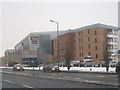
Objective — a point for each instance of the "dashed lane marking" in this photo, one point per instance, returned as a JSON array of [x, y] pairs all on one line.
[[27, 86], [14, 83], [8, 81]]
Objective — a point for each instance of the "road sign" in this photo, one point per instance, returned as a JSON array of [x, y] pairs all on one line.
[[33, 61]]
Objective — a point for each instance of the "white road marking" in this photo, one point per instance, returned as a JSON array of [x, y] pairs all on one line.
[[8, 81], [27, 86], [14, 82]]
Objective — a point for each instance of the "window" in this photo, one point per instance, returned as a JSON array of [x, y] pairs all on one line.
[[79, 47], [96, 56], [74, 34], [88, 31], [88, 38], [80, 54], [81, 32], [95, 32], [95, 39], [96, 48], [79, 40], [89, 46], [82, 47], [109, 31], [34, 42], [82, 40], [89, 53], [62, 49]]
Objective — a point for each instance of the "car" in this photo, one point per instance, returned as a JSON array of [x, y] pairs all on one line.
[[88, 64], [75, 63], [50, 68], [87, 59], [118, 67], [113, 63], [102, 63], [18, 67]]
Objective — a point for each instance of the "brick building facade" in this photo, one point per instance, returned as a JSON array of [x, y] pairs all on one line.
[[97, 41]]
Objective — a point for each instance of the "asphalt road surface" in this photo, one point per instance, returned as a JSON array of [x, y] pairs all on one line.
[[25, 79], [18, 81]]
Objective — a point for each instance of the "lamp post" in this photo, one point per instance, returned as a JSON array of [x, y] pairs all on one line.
[[57, 40], [22, 52]]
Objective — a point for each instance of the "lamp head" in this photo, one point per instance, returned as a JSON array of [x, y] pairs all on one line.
[[51, 20]]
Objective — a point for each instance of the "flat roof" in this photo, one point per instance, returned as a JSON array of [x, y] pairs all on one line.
[[94, 26]]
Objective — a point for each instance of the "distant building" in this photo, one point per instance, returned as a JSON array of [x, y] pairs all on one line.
[[12, 56], [29, 47], [44, 48], [36, 46], [97, 41], [1, 61]]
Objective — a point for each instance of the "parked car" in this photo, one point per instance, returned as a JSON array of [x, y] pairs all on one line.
[[102, 63], [88, 64], [113, 64], [75, 63], [51, 68], [118, 67], [18, 67], [88, 59]]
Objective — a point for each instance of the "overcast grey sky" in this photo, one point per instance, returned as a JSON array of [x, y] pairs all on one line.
[[20, 18]]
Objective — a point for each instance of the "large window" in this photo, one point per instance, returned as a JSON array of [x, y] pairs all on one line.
[[109, 31]]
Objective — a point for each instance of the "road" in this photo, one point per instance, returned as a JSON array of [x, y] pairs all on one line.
[[56, 80]]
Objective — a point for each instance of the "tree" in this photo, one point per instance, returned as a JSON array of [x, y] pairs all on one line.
[[67, 55], [106, 51]]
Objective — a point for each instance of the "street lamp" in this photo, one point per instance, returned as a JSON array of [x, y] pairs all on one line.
[[57, 39]]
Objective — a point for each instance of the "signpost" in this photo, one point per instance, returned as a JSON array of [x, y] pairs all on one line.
[[33, 62]]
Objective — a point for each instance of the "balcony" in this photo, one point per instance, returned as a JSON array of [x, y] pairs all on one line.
[[112, 43], [110, 57], [112, 50], [112, 36]]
